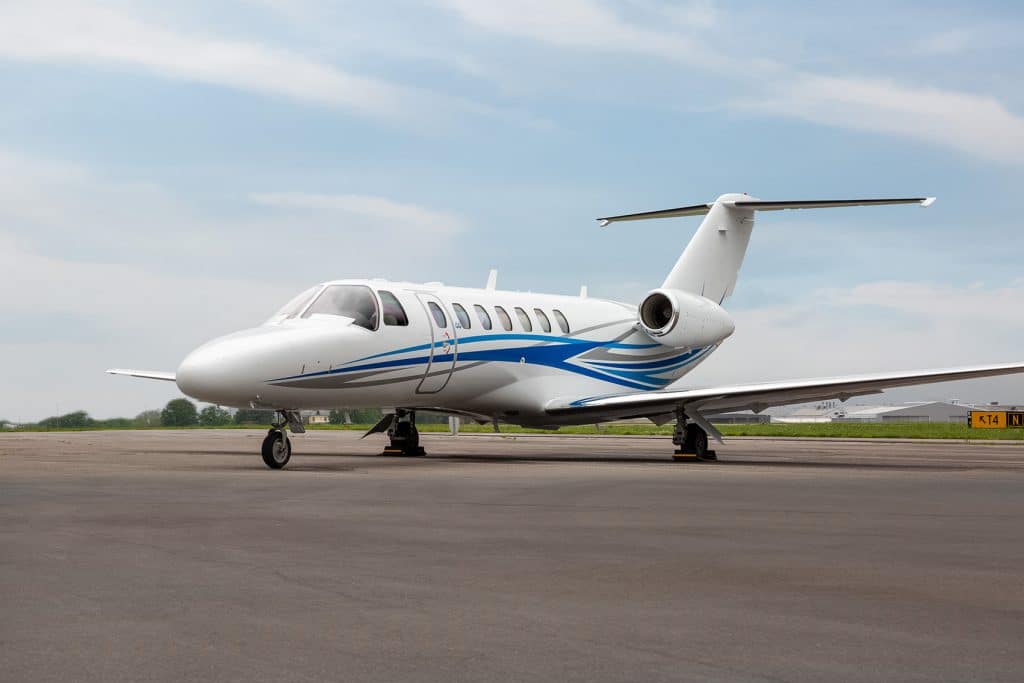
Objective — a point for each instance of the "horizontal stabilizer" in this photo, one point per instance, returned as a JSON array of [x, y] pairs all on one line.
[[145, 374], [762, 205]]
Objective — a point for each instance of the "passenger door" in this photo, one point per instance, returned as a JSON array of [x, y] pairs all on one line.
[[444, 345]]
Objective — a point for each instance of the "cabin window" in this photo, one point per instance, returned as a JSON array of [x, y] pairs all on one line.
[[394, 313], [542, 318], [438, 314], [506, 321], [483, 315], [562, 322], [349, 301], [524, 319], [463, 317]]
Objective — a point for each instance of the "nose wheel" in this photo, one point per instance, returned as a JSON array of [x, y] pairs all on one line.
[[277, 449]]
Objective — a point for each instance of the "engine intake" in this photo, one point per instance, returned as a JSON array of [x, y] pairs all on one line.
[[683, 320]]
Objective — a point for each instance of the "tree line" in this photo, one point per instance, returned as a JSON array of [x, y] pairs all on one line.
[[181, 412]]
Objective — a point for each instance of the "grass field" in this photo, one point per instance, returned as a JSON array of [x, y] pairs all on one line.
[[919, 430]]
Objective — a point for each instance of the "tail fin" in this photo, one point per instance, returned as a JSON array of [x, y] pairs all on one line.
[[711, 261]]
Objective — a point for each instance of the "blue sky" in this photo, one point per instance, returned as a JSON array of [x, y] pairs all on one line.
[[172, 172]]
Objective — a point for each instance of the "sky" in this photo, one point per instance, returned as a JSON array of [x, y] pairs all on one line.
[[170, 172]]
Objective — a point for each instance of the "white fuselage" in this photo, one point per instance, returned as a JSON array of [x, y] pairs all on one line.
[[304, 360]]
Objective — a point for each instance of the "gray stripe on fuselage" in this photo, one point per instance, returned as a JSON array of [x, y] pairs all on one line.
[[352, 381]]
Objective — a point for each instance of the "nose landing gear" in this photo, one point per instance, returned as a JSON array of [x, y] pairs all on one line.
[[277, 447]]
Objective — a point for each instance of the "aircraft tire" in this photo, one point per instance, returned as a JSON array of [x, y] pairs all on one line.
[[700, 449], [277, 449]]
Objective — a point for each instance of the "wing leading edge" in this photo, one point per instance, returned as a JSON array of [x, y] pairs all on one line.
[[759, 396]]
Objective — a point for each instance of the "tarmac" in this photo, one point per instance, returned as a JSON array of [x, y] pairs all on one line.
[[176, 555]]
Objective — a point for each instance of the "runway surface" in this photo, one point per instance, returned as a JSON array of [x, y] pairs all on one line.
[[175, 555]]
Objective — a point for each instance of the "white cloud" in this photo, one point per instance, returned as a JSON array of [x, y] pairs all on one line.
[[69, 211], [975, 124], [951, 42], [877, 326], [391, 215], [87, 317], [587, 24], [100, 272], [84, 32]]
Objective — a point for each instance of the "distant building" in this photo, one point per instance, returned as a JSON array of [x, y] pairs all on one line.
[[828, 411], [935, 411], [742, 417], [317, 419]]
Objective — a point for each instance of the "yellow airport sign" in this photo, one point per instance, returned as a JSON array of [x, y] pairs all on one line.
[[996, 419]]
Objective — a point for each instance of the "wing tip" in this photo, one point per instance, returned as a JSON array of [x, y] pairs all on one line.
[[144, 374], [928, 201]]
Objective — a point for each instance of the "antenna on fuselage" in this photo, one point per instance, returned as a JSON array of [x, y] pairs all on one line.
[[492, 280], [583, 291]]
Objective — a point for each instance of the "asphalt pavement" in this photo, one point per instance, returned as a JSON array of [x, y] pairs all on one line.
[[176, 555]]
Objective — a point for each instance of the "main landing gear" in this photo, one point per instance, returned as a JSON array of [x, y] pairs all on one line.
[[403, 435], [691, 441], [277, 447]]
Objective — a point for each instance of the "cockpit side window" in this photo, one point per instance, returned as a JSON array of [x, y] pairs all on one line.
[[394, 312], [351, 301]]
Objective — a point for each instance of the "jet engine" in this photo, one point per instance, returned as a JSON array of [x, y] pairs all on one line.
[[680, 319]]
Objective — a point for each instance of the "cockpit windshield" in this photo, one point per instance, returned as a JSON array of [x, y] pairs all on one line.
[[295, 306], [351, 301]]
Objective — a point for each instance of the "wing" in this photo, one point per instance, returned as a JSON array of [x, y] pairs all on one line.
[[757, 397], [145, 374]]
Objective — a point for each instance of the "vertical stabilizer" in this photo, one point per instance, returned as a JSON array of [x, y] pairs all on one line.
[[711, 261]]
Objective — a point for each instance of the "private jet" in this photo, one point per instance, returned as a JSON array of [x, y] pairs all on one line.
[[535, 360]]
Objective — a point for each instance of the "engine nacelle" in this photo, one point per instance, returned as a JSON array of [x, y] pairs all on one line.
[[683, 320]]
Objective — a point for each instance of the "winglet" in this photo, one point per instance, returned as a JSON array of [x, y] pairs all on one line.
[[492, 279], [928, 201]]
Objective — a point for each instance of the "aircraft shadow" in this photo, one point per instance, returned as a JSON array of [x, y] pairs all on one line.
[[320, 461]]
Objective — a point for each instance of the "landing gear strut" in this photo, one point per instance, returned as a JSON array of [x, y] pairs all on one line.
[[690, 440], [277, 447], [403, 435]]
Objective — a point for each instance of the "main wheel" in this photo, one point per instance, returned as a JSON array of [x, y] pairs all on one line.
[[412, 441], [277, 449], [700, 443]]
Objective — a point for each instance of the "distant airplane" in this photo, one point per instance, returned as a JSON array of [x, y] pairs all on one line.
[[537, 360]]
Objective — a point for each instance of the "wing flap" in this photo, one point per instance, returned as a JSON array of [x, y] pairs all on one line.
[[759, 396], [145, 374]]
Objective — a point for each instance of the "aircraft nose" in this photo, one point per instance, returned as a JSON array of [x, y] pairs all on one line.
[[216, 373]]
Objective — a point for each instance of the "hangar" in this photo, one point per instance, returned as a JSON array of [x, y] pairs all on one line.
[[935, 411]]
